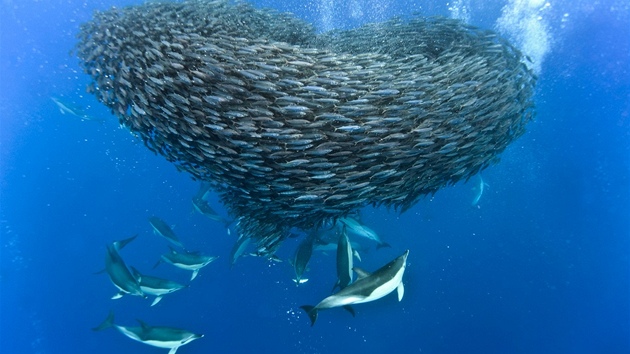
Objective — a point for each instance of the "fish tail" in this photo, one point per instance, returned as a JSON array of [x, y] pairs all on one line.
[[109, 322], [311, 311]]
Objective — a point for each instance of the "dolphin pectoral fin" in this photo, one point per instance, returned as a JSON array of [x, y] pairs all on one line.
[[101, 271], [401, 291], [356, 255], [109, 322], [118, 295], [157, 299], [349, 309], [311, 311], [173, 350], [194, 274], [361, 273]]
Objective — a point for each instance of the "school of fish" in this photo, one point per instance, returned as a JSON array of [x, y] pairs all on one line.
[[295, 129]]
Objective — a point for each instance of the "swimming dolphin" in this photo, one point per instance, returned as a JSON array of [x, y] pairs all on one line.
[[157, 287], [480, 188], [188, 260], [368, 287], [161, 228], [302, 257], [202, 206], [118, 271], [161, 337], [344, 261], [329, 247], [67, 108], [239, 248], [357, 228]]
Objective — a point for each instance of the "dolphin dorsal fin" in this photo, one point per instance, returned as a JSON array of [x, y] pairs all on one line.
[[145, 327], [361, 273]]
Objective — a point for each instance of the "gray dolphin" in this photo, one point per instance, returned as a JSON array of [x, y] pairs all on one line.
[[161, 337], [70, 109], [357, 228], [368, 287], [239, 248], [302, 257], [157, 287], [189, 260], [202, 206], [344, 261], [118, 271], [161, 228]]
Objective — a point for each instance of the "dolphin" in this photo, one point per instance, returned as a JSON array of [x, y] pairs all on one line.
[[200, 203], [357, 228], [329, 247], [480, 188], [344, 261], [67, 108], [204, 208], [302, 257], [118, 271], [161, 228], [368, 287], [161, 337], [157, 287], [239, 248], [188, 260]]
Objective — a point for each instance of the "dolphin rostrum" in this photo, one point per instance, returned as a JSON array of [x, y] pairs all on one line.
[[118, 271], [161, 337], [157, 287], [161, 228], [368, 287]]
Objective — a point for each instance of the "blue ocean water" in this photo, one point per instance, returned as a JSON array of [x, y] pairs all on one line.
[[539, 265]]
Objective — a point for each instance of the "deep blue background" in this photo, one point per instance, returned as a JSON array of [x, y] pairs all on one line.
[[541, 266]]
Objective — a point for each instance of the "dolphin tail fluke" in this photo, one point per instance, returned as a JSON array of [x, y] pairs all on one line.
[[121, 244], [311, 311], [109, 322], [383, 244], [349, 309]]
